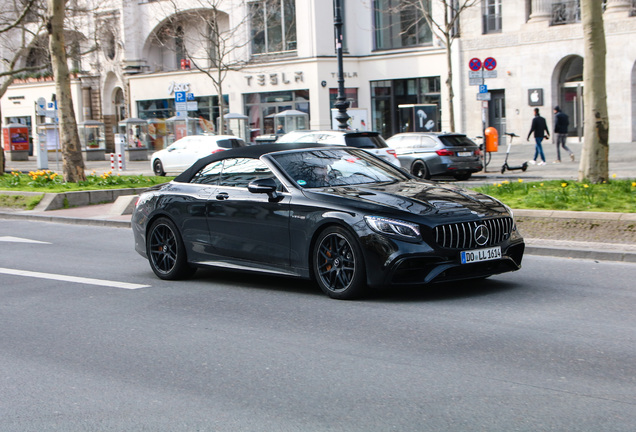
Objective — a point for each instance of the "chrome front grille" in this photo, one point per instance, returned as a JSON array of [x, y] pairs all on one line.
[[462, 235]]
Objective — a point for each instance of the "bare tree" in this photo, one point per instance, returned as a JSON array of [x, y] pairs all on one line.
[[445, 26], [594, 164], [213, 44], [16, 34], [73, 163]]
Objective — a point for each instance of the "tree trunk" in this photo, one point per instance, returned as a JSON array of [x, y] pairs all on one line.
[[595, 155], [73, 164], [2, 163], [449, 85]]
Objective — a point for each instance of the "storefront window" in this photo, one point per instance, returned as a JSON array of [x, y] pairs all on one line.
[[159, 110], [387, 95], [261, 107], [351, 94]]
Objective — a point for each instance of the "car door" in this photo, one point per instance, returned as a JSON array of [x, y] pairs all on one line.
[[195, 149], [173, 155], [247, 228]]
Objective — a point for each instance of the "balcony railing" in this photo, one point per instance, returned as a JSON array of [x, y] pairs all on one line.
[[566, 12]]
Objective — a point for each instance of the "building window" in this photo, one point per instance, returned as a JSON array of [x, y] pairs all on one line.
[[273, 26], [398, 24], [566, 12], [491, 16]]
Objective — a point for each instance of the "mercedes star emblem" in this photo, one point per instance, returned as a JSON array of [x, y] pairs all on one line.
[[481, 235]]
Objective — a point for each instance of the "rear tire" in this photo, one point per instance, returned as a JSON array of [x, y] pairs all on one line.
[[166, 251], [338, 265], [157, 167], [420, 170]]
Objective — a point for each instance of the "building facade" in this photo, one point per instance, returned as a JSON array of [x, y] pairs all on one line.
[[261, 57]]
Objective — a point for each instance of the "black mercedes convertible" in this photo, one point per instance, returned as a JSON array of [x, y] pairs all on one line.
[[337, 215]]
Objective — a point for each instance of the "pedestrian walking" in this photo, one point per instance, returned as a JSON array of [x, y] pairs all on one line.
[[540, 130], [561, 123]]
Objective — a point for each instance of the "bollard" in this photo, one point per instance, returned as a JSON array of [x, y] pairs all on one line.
[[120, 162], [112, 161]]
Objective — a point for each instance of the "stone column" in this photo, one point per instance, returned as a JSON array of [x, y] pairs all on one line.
[[617, 8], [541, 11]]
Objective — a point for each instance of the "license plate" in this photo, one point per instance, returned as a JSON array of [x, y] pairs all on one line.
[[464, 154], [479, 255]]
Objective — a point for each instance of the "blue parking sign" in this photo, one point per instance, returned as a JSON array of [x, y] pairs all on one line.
[[180, 96], [483, 88]]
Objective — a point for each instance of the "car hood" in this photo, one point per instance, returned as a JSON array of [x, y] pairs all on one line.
[[418, 198]]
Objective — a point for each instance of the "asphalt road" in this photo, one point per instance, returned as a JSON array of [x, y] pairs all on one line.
[[550, 347]]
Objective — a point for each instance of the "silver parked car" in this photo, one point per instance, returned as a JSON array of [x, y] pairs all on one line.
[[426, 154], [371, 142]]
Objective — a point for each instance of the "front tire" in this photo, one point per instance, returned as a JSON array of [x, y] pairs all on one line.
[[338, 265], [166, 251], [157, 167]]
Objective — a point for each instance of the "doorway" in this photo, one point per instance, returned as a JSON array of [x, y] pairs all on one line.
[[497, 113], [571, 94]]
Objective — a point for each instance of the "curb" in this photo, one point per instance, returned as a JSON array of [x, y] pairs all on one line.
[[65, 219], [592, 254]]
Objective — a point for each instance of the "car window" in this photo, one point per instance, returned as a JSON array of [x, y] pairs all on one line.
[[428, 142], [224, 143], [405, 142], [457, 141], [325, 168], [209, 174], [179, 144], [365, 141], [239, 172], [237, 143]]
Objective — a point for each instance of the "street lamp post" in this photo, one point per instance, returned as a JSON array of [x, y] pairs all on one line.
[[341, 102]]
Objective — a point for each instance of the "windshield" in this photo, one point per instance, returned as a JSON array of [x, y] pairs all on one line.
[[335, 167]]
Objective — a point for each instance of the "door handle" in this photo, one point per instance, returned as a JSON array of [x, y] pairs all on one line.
[[222, 196]]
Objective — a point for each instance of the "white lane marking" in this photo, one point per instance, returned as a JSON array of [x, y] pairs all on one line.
[[20, 240], [75, 279]]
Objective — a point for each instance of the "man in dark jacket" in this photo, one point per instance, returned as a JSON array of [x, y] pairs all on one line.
[[540, 129], [561, 123]]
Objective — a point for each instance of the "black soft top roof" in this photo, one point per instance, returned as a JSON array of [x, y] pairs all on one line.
[[253, 152]]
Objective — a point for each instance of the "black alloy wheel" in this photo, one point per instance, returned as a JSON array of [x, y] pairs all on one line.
[[338, 265], [157, 167], [166, 252], [420, 170]]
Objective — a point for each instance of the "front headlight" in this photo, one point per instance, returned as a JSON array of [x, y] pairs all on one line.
[[393, 227]]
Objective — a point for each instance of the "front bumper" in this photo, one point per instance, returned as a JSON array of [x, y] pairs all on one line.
[[408, 266]]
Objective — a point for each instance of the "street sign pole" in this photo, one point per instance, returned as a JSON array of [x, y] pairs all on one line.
[[484, 112]]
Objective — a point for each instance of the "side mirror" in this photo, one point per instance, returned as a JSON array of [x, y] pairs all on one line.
[[264, 186]]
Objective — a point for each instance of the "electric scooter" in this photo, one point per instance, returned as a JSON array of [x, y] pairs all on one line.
[[505, 166]]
